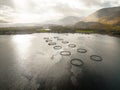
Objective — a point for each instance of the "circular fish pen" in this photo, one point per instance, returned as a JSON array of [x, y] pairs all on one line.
[[96, 58], [65, 42], [48, 40], [56, 37], [77, 62], [72, 45], [57, 47], [80, 50], [59, 39], [65, 53], [51, 43]]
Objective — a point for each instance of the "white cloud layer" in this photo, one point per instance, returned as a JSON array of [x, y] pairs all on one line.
[[21, 11]]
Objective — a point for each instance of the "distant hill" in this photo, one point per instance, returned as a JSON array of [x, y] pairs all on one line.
[[2, 21], [66, 21], [106, 18], [70, 20]]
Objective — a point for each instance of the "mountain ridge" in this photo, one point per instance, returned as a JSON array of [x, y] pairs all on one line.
[[101, 19]]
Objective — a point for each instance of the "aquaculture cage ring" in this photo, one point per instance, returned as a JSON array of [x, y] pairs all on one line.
[[96, 58], [56, 37], [52, 43], [57, 47], [65, 53], [72, 45], [77, 62], [48, 40], [59, 39], [65, 42], [80, 50]]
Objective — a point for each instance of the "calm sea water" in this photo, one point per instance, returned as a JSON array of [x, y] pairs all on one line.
[[53, 62]]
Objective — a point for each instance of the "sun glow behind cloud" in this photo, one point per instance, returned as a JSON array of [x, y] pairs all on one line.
[[21, 5], [35, 11], [31, 11]]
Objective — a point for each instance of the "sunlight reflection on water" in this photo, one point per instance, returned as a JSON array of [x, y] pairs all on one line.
[[22, 44]]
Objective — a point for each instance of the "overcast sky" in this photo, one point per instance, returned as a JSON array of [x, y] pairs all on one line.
[[21, 11]]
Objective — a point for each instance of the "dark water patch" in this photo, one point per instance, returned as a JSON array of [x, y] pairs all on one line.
[[28, 77], [91, 81], [59, 76], [41, 83]]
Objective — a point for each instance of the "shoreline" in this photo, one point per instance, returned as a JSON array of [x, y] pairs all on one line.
[[32, 32]]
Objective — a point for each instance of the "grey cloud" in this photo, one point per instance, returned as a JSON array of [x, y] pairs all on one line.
[[107, 4], [6, 12], [91, 2], [100, 3], [31, 6], [10, 3], [6, 2]]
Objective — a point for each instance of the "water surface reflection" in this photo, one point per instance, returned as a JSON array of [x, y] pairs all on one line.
[[22, 44], [27, 62]]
